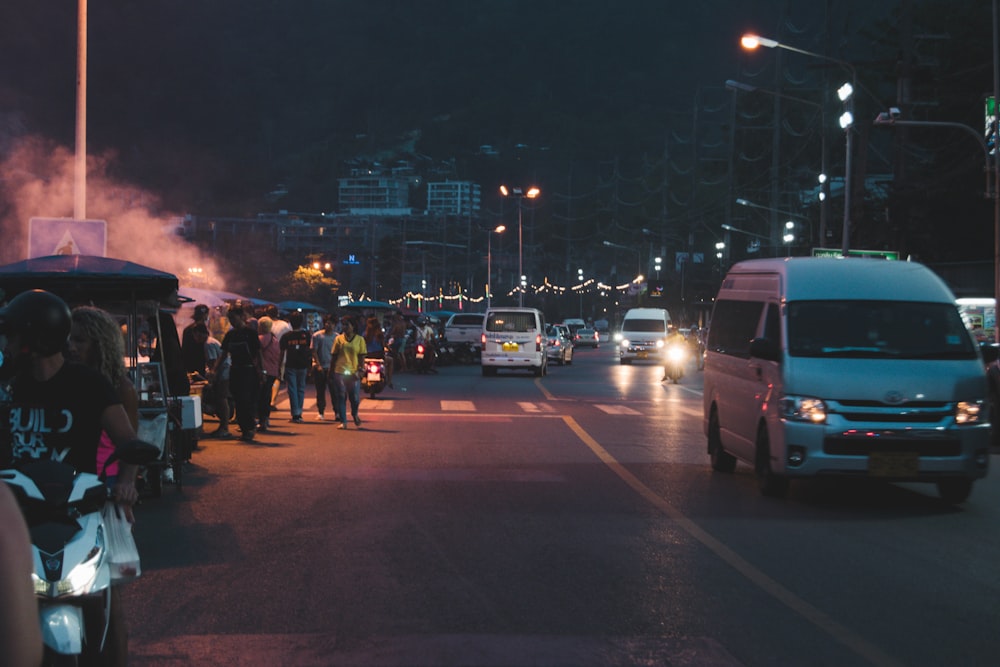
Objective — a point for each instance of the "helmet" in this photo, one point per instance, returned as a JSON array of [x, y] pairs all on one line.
[[40, 318]]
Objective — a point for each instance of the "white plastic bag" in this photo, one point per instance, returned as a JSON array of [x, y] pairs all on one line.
[[153, 430], [123, 555]]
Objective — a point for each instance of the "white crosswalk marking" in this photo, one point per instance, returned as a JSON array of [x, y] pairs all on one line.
[[617, 410], [458, 406], [536, 407]]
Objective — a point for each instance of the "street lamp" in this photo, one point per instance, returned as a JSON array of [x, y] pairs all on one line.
[[750, 42], [747, 88], [750, 204], [520, 195], [499, 229]]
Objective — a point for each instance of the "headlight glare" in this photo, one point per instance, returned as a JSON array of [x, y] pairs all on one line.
[[803, 409], [969, 412]]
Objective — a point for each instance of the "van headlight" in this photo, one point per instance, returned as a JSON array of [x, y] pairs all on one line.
[[803, 409], [622, 341], [659, 344], [969, 412]]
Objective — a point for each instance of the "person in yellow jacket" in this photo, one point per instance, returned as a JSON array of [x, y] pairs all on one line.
[[347, 355]]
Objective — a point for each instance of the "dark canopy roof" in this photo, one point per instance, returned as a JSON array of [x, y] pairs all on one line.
[[87, 278]]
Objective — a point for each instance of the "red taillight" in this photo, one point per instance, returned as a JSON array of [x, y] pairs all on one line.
[[482, 339], [420, 348], [538, 342], [373, 368]]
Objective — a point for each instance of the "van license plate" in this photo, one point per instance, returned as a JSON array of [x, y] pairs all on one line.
[[640, 355], [893, 464]]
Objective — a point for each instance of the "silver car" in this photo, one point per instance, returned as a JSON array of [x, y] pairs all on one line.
[[559, 344]]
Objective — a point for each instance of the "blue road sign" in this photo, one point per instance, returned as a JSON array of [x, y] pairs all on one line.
[[66, 236]]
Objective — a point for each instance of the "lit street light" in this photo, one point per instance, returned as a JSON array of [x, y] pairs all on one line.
[[520, 195], [499, 229], [750, 42]]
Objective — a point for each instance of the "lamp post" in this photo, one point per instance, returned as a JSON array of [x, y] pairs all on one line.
[[751, 42], [747, 88], [520, 194], [499, 229]]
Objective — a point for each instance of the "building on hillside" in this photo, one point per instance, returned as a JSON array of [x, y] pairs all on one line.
[[454, 198]]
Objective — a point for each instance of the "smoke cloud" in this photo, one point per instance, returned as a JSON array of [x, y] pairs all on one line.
[[36, 180]]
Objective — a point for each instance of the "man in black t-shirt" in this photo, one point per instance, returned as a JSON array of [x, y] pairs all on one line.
[[58, 409], [243, 347]]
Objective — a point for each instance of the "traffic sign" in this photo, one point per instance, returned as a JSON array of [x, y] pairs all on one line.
[[66, 236], [870, 254]]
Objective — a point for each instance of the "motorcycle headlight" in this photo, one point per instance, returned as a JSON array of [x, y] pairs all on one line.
[[969, 412], [675, 353], [803, 409], [80, 579]]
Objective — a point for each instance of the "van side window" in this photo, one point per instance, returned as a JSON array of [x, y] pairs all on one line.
[[734, 324], [772, 324]]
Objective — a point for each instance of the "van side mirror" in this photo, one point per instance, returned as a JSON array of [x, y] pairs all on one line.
[[766, 349]]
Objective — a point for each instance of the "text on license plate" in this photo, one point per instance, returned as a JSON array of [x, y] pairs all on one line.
[[893, 464]]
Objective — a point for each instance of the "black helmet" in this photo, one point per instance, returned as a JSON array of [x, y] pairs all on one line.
[[40, 318]]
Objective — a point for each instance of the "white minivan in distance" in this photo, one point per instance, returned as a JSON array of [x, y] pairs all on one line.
[[513, 338], [643, 335], [851, 367]]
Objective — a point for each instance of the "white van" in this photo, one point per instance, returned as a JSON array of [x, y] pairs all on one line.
[[513, 338], [855, 367], [643, 335]]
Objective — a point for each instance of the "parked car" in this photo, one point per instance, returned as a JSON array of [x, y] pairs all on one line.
[[558, 344], [586, 338]]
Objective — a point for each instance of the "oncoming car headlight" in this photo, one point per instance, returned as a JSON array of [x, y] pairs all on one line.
[[660, 344], [969, 412], [622, 341], [803, 409]]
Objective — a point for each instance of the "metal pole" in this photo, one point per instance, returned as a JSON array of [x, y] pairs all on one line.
[[996, 175], [80, 181], [489, 266], [520, 256]]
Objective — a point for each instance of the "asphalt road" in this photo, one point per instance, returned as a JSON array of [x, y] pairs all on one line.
[[566, 520]]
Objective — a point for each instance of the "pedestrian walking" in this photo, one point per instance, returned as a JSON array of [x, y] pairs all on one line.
[[270, 351], [243, 347], [348, 352], [218, 383], [322, 344], [296, 358]]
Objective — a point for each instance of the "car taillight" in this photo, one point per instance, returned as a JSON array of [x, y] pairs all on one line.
[[538, 342], [482, 339]]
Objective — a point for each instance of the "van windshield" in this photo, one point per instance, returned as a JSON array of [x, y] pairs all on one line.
[[636, 324], [519, 322], [877, 329]]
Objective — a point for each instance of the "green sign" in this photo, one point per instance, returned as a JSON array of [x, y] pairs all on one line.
[[871, 254]]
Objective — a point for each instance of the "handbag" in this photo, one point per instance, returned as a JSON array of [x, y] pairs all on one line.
[[123, 555]]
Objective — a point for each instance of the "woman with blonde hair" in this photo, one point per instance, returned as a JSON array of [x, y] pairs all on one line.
[[95, 340]]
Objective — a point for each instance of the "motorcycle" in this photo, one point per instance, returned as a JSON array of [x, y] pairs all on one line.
[[373, 376], [424, 357], [676, 357], [74, 579]]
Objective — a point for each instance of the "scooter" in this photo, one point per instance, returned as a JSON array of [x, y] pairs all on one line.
[[78, 603], [424, 357], [676, 357], [373, 376]]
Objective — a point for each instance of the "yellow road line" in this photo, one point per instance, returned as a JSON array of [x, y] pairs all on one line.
[[820, 619]]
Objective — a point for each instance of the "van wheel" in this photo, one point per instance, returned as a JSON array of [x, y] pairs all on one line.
[[770, 484], [954, 491], [722, 461]]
